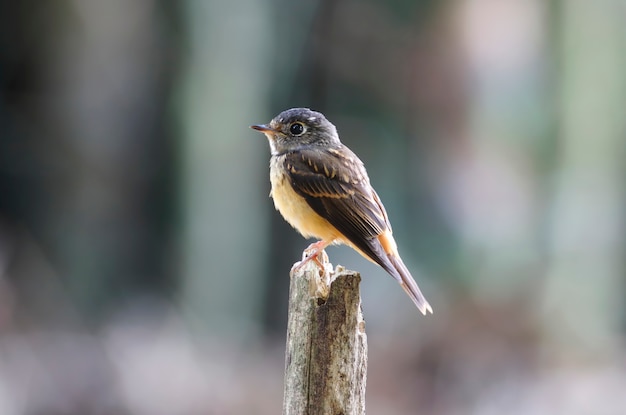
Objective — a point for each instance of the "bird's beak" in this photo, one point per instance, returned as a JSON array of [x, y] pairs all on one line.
[[264, 129]]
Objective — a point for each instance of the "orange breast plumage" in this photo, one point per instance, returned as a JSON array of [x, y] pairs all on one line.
[[294, 208]]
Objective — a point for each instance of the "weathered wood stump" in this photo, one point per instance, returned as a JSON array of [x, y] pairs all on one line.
[[326, 356]]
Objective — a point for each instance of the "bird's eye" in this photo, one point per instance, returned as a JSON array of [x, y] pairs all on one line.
[[296, 128]]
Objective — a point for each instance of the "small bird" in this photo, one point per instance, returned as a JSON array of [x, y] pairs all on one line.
[[322, 189]]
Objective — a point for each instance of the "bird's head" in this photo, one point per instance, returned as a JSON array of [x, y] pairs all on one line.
[[297, 128]]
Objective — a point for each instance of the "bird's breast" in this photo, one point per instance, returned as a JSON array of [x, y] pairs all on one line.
[[294, 208]]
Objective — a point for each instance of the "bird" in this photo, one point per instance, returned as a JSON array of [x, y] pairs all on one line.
[[321, 188]]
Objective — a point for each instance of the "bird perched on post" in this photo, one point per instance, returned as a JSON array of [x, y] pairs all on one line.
[[322, 189]]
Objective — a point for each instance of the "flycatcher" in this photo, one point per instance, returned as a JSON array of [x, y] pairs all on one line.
[[322, 189]]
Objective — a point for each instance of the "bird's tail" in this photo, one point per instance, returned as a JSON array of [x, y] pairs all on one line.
[[408, 284], [384, 252]]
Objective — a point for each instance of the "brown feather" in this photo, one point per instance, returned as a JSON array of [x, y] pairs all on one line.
[[340, 193]]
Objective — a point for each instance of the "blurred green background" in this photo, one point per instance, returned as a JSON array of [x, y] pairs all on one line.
[[144, 271]]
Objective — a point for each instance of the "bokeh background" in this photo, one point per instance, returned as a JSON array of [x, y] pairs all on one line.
[[144, 271]]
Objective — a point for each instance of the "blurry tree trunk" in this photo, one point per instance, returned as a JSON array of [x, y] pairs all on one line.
[[89, 163], [585, 277], [224, 201], [326, 356]]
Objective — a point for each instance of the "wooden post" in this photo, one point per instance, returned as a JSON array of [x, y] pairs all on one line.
[[326, 356]]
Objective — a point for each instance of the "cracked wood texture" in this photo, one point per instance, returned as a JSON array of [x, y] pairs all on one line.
[[326, 356]]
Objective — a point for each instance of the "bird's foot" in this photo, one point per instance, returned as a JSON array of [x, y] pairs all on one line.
[[312, 253], [320, 275]]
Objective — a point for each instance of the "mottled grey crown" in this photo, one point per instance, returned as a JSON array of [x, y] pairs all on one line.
[[305, 115]]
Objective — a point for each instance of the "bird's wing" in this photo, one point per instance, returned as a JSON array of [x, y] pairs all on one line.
[[335, 184]]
